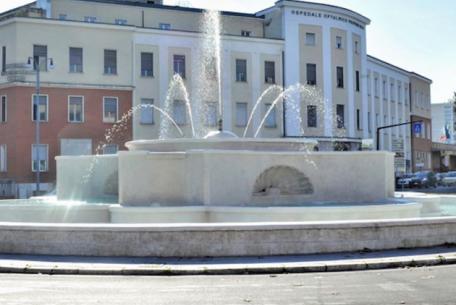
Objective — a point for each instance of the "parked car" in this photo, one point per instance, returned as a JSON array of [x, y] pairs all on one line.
[[449, 179], [421, 179], [404, 181], [439, 177]]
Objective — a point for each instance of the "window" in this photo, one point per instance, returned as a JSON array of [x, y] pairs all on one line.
[[75, 147], [246, 33], [357, 81], [399, 93], [40, 157], [76, 60], [40, 57], [165, 26], [3, 158], [241, 70], [358, 119], [340, 111], [356, 47], [40, 105], [369, 122], [369, 88], [147, 64], [147, 112], [338, 42], [312, 74], [110, 109], [210, 68], [110, 149], [376, 86], [121, 21], [384, 89], [211, 114], [90, 19], [406, 96], [271, 118], [3, 59], [62, 16], [269, 72], [310, 39], [179, 65], [377, 120], [110, 62], [311, 116], [179, 112], [75, 109], [241, 114], [340, 77], [392, 92], [3, 109]]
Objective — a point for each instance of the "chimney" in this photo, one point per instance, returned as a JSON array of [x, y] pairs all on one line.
[[46, 6]]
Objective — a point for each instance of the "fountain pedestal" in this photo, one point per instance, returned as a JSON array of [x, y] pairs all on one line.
[[218, 176]]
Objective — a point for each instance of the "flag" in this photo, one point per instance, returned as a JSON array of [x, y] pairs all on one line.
[[443, 136]]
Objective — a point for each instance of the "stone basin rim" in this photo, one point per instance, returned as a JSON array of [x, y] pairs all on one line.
[[257, 226], [134, 145]]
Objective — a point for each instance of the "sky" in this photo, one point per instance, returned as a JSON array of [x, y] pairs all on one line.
[[417, 35]]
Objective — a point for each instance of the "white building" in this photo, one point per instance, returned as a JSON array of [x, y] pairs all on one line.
[[443, 123]]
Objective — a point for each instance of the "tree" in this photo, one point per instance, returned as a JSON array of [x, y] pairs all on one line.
[[453, 99]]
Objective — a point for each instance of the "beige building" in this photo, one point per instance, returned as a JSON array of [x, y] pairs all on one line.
[[137, 47]]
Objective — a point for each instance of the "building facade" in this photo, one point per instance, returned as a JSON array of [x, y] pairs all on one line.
[[110, 56], [443, 133], [443, 122]]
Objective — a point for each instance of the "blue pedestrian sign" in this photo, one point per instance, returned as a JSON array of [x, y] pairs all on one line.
[[417, 128]]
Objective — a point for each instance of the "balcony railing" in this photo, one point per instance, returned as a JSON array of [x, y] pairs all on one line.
[[25, 11]]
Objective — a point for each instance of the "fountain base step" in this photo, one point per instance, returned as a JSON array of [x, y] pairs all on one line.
[[202, 214]]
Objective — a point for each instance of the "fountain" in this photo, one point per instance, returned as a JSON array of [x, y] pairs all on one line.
[[210, 193]]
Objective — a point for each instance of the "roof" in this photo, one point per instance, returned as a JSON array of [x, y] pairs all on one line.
[[401, 69], [171, 7], [421, 76], [17, 8], [332, 7]]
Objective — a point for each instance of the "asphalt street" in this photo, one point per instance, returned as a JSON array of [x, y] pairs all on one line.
[[430, 286]]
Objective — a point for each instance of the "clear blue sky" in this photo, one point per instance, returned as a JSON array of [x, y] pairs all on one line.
[[417, 35]]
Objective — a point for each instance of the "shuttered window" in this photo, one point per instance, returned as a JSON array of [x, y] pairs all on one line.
[[76, 60], [147, 64], [40, 57], [110, 61]]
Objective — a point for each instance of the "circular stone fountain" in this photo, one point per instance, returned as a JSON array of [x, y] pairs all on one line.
[[221, 195]]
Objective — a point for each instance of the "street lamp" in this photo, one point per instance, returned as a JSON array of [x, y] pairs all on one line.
[[34, 63]]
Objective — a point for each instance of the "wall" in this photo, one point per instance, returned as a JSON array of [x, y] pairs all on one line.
[[388, 105], [19, 131], [179, 18]]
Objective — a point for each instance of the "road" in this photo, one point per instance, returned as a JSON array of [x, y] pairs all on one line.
[[430, 286]]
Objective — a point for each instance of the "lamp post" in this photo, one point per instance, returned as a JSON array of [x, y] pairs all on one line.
[[391, 126], [34, 63]]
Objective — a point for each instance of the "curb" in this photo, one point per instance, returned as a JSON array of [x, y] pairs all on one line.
[[248, 269]]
